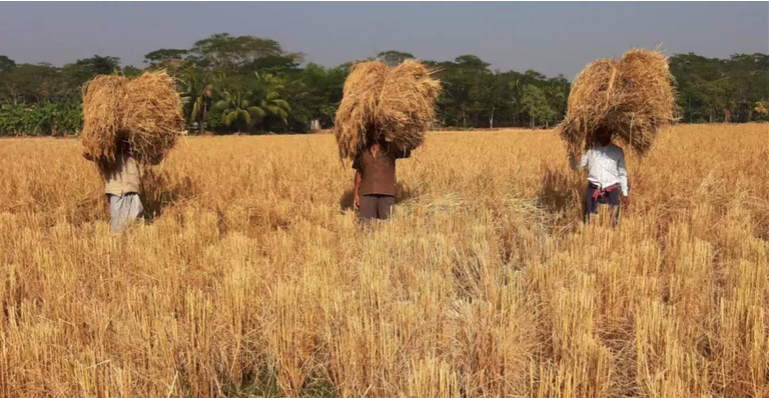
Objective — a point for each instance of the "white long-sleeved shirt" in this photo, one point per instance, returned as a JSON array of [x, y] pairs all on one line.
[[605, 166]]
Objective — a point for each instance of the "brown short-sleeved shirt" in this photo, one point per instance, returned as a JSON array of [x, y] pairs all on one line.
[[378, 173]]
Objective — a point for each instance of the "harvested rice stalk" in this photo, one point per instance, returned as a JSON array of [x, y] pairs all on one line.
[[394, 104], [103, 98], [633, 97], [146, 112], [152, 115]]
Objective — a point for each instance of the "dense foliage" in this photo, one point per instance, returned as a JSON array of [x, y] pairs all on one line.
[[251, 84], [50, 118]]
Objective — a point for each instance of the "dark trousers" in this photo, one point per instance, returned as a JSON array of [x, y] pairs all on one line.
[[375, 207], [610, 198]]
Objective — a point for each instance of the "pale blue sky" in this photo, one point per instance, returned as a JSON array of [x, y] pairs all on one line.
[[552, 38]]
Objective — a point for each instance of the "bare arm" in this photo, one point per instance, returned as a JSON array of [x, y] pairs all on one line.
[[356, 188], [357, 165]]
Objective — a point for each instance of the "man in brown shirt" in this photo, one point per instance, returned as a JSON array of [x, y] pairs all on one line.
[[375, 180]]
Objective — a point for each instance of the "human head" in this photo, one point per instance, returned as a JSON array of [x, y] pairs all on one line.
[[373, 136], [372, 133], [123, 146], [602, 136]]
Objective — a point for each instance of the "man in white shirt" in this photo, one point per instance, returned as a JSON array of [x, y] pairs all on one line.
[[606, 175]]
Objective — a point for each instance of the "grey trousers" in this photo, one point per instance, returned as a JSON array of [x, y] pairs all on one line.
[[123, 211], [375, 207]]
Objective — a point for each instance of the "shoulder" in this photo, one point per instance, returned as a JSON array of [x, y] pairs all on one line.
[[397, 153], [617, 152], [356, 161], [128, 160]]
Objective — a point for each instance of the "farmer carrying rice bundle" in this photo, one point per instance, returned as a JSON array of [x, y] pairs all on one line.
[[383, 117], [626, 101], [127, 124]]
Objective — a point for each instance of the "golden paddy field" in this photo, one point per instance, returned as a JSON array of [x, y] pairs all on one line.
[[252, 278]]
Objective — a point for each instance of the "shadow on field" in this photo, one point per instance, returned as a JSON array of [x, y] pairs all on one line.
[[560, 190], [346, 201], [402, 193], [159, 192]]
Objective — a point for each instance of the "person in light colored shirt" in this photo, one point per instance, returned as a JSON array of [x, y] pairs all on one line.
[[606, 176], [122, 184]]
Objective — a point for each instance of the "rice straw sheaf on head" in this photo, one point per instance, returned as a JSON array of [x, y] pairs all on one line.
[[633, 97], [103, 98], [396, 105], [648, 98], [359, 103], [153, 115], [407, 104], [589, 103], [145, 112]]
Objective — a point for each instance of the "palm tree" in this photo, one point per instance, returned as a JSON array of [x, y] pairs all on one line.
[[197, 94], [245, 109], [237, 109], [270, 89]]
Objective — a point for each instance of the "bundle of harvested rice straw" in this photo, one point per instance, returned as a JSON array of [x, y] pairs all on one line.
[[632, 97], [396, 105], [145, 112]]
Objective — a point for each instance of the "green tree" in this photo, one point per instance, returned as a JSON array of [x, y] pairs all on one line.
[[535, 103], [268, 95], [271, 64], [27, 83], [254, 106], [76, 74], [557, 92], [461, 102], [748, 76], [98, 65], [710, 87], [393, 57], [471, 62], [6, 63], [322, 89], [164, 56], [237, 111], [197, 91], [131, 71], [229, 53]]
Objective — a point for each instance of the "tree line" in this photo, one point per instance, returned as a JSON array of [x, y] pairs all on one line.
[[251, 84]]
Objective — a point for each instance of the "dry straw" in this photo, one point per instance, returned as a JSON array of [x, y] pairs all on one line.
[[633, 97], [102, 100], [153, 115], [146, 112], [466, 292], [394, 104]]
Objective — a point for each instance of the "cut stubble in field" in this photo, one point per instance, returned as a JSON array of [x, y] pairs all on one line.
[[251, 275]]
